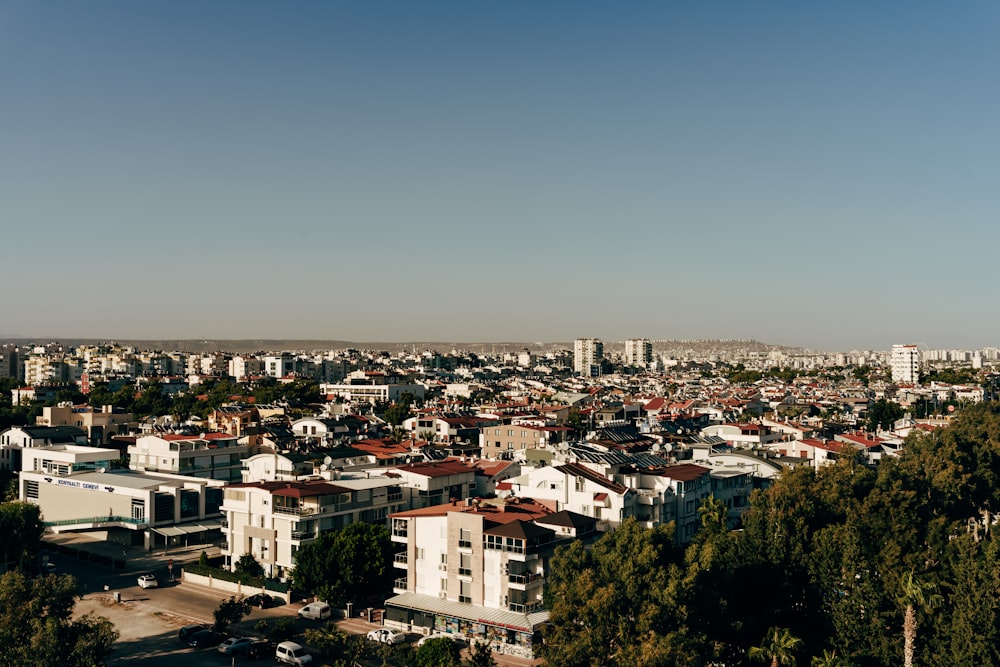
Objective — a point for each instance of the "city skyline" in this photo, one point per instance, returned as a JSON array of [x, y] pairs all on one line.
[[819, 177]]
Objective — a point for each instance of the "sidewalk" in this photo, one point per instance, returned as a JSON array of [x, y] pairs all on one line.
[[136, 558]]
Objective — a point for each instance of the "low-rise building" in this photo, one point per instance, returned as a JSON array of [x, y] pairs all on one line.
[[208, 455], [271, 519]]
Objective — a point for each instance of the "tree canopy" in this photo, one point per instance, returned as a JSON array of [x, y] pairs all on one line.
[[37, 628], [346, 565], [826, 557]]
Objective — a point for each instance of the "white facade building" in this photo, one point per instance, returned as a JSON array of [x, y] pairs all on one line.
[[477, 569], [905, 364], [638, 352], [587, 356]]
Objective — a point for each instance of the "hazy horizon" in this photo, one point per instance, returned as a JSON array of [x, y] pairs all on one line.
[[808, 175]]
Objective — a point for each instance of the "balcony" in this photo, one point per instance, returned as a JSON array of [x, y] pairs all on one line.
[[294, 511], [399, 559], [299, 535], [526, 579], [399, 586], [525, 608]]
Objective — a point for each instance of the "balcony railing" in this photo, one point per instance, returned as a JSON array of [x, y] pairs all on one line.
[[98, 519], [399, 557], [295, 511], [526, 578], [525, 608], [399, 585], [302, 534]]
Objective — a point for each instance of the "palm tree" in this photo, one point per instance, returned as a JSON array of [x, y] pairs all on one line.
[[828, 659], [779, 646], [915, 595]]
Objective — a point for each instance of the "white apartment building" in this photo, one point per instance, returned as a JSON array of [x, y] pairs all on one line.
[[209, 455], [638, 352], [587, 356], [477, 569], [242, 368], [577, 488], [16, 439], [904, 361], [271, 519]]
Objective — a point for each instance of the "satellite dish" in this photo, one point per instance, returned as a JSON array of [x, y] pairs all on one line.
[[102, 470], [327, 460], [324, 467]]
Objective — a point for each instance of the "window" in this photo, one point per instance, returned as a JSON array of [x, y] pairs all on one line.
[[510, 445], [465, 538], [465, 566]]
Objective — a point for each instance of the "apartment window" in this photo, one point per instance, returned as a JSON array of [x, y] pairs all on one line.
[[465, 566], [580, 484], [510, 446], [465, 538], [510, 433], [465, 591]]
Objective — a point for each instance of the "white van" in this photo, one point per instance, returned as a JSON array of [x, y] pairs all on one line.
[[291, 653], [316, 611]]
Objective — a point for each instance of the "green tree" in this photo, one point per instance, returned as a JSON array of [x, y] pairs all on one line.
[[778, 647], [277, 629], [479, 655], [397, 413], [248, 567], [346, 565], [37, 627], [230, 611], [21, 531], [438, 652], [883, 413], [611, 605]]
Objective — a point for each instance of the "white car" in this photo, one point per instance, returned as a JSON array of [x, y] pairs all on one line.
[[316, 611], [147, 581], [386, 636], [441, 635], [291, 653]]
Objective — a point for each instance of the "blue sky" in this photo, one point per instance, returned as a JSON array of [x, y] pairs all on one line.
[[815, 174]]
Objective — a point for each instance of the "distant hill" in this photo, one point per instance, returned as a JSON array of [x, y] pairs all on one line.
[[246, 346]]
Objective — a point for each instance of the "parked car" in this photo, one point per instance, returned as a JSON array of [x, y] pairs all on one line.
[[291, 653], [316, 611], [206, 638], [458, 639], [263, 601], [49, 568], [147, 581], [235, 646], [184, 634], [386, 636], [260, 648]]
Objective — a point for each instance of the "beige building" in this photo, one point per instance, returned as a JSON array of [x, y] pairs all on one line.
[[477, 569], [100, 424]]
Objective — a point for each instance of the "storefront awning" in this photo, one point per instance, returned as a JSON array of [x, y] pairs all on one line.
[[497, 617], [188, 528]]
